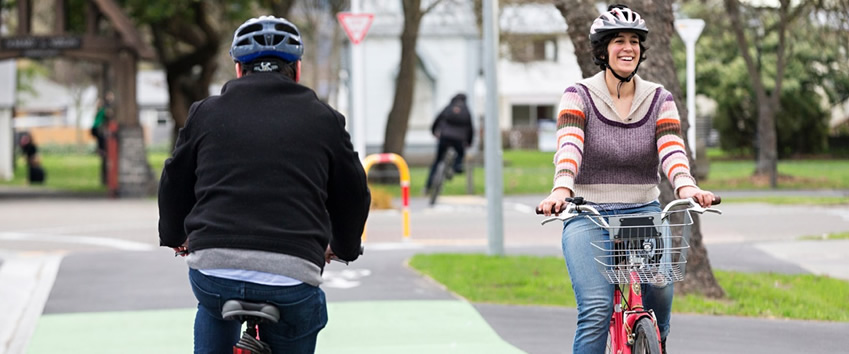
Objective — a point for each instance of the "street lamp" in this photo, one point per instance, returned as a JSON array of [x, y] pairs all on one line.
[[689, 30]]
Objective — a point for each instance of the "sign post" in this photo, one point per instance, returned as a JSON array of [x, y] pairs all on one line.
[[8, 74], [356, 25], [689, 30]]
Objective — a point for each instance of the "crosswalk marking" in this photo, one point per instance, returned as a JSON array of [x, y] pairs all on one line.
[[25, 283]]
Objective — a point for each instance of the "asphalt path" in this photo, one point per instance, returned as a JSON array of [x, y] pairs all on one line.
[[71, 260]]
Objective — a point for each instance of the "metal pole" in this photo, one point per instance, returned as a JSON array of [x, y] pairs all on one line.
[[492, 143], [691, 96], [358, 116], [8, 75], [689, 30]]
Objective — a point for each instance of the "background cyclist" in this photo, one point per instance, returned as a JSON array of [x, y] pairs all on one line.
[[453, 128], [262, 189], [613, 131]]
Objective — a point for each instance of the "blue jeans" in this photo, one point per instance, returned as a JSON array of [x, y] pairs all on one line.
[[303, 313], [593, 293]]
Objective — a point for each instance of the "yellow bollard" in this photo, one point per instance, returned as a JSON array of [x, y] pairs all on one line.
[[405, 185]]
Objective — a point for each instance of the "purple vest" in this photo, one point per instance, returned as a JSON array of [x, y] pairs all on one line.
[[616, 152]]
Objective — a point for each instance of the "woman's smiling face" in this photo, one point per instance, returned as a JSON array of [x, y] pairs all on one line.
[[624, 53]]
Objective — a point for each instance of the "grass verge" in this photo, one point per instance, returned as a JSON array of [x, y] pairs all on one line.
[[832, 236], [529, 280], [525, 172]]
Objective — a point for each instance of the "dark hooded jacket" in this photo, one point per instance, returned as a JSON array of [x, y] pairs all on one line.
[[264, 166], [455, 121]]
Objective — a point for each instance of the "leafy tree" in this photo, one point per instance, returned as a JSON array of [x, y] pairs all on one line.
[[187, 36], [815, 70]]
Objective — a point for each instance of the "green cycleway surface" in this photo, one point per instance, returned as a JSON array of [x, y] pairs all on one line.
[[440, 326]]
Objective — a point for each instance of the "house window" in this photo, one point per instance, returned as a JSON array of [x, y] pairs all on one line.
[[530, 115], [524, 48]]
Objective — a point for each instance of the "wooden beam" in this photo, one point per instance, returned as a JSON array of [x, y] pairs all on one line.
[[125, 27], [61, 17], [24, 17], [91, 15], [125, 89], [90, 47]]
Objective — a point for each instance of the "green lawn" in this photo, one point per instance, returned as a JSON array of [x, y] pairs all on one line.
[[832, 236], [531, 172], [529, 280], [77, 172], [525, 172]]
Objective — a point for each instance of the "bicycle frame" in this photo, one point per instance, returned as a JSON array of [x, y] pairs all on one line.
[[623, 320]]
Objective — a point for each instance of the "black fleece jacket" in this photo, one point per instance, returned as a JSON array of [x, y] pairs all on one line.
[[264, 166]]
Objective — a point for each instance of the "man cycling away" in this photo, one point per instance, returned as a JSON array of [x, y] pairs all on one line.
[[453, 128], [263, 188]]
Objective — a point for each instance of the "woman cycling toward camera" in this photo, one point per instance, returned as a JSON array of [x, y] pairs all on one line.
[[613, 131]]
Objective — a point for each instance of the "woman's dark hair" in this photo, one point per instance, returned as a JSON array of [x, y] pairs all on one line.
[[600, 50]]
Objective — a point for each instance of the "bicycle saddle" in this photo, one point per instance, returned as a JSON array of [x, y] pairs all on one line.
[[242, 310]]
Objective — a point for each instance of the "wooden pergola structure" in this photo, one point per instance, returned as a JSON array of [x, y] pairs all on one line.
[[119, 48]]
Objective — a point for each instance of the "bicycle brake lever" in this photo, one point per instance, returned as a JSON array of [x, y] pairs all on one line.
[[562, 217], [337, 259], [715, 211]]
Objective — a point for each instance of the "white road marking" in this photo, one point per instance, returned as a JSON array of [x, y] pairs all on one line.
[[25, 283], [86, 240], [92, 228], [344, 279]]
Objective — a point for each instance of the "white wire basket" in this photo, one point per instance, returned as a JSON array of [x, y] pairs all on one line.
[[644, 248]]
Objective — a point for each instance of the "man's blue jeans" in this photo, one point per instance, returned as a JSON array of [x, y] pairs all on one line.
[[593, 293], [303, 313]]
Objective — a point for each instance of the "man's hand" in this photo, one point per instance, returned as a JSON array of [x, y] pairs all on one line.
[[328, 254], [183, 250]]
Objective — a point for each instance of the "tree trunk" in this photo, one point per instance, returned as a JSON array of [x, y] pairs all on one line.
[[767, 164], [188, 74], [399, 116], [280, 8], [660, 68], [579, 14]]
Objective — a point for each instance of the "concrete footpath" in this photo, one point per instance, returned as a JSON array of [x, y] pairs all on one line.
[[86, 275]]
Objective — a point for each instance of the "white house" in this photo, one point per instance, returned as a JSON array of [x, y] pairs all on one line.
[[536, 64]]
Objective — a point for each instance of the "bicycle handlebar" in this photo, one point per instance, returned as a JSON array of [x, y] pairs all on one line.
[[578, 205], [337, 259]]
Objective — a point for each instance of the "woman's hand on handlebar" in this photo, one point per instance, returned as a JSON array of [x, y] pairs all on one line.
[[704, 198], [554, 203]]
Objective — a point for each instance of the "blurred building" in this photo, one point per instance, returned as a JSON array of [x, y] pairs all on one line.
[[56, 114], [537, 63]]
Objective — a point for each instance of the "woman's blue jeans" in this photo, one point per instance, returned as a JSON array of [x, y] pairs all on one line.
[[594, 293], [303, 313]]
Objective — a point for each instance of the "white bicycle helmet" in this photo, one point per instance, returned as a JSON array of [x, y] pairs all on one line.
[[267, 36], [618, 18]]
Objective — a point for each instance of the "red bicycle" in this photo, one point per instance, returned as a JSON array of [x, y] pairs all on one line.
[[641, 248]]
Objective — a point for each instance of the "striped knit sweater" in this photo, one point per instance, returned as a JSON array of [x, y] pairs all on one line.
[[607, 159]]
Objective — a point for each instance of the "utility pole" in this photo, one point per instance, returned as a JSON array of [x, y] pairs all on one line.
[[492, 144]]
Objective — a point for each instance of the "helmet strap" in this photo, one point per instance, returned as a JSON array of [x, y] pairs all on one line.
[[622, 80]]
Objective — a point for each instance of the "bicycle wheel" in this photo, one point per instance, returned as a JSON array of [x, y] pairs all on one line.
[[438, 180], [645, 338]]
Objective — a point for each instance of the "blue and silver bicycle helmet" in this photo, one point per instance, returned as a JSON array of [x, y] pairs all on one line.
[[267, 36]]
